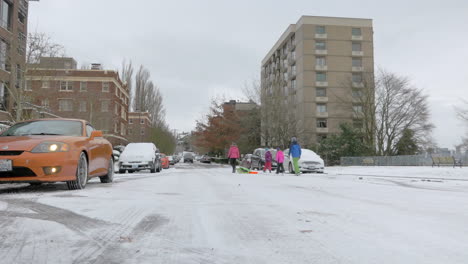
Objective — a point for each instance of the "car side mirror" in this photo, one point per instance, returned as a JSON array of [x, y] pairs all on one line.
[[96, 133]]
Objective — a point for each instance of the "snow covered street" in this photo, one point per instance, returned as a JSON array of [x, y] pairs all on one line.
[[205, 214]]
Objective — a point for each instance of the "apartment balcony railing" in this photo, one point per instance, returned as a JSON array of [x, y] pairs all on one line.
[[321, 67], [321, 52], [357, 53], [356, 37], [321, 36], [321, 84], [357, 69], [321, 99]]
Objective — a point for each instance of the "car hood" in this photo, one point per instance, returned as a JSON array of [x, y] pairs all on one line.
[[27, 143]]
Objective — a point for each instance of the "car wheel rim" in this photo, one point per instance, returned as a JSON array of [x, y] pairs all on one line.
[[110, 171], [82, 171]]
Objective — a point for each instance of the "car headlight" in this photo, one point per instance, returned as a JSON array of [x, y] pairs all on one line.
[[46, 147]]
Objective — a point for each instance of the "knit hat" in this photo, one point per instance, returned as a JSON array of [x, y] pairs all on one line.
[[294, 139]]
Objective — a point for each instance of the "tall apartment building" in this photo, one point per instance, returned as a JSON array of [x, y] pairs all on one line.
[[318, 66], [56, 86], [13, 32]]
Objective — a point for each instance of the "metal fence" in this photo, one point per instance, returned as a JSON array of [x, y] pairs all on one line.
[[411, 160]]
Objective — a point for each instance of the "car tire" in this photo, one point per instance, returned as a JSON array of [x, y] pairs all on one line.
[[81, 174], [110, 173], [121, 171], [35, 183], [290, 168], [158, 169]]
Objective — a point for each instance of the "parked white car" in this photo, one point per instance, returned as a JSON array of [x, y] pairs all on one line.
[[309, 162], [139, 156]]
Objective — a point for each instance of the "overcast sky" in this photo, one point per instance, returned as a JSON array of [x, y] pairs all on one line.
[[199, 49]]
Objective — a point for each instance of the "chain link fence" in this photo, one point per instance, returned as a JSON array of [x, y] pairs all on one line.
[[410, 160]]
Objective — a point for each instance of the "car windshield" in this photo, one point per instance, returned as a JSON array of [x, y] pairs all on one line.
[[45, 128]]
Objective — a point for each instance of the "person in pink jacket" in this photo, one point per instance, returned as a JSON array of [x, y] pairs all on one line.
[[233, 155], [279, 160]]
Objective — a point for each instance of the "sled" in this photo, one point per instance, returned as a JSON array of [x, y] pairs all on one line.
[[245, 171]]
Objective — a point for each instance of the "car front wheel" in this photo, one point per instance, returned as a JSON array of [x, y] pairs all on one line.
[[110, 173], [81, 174], [290, 168]]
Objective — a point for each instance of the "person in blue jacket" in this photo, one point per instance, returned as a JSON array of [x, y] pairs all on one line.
[[295, 152]]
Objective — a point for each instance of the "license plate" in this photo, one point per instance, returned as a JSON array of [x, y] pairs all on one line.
[[134, 166], [6, 165]]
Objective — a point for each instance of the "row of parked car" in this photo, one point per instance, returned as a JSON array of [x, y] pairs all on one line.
[[309, 161], [142, 156]]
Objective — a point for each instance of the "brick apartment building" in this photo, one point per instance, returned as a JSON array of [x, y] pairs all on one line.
[[56, 86], [139, 126], [13, 32], [318, 67]]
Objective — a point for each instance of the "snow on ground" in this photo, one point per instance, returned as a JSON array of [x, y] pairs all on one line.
[[205, 214]]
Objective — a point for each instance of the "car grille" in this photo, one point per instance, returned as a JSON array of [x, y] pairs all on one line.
[[11, 153], [18, 172]]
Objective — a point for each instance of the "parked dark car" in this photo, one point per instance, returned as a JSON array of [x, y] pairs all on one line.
[[246, 161], [205, 159], [258, 159]]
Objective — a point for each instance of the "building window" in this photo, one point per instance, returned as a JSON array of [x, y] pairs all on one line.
[[358, 124], [105, 106], [4, 47], [357, 77], [321, 108], [28, 85], [357, 108], [117, 91], [142, 121], [65, 105], [320, 30], [320, 45], [293, 84], [320, 61], [293, 55], [82, 106], [45, 85], [105, 87], [21, 18], [320, 92], [116, 109], [142, 131], [357, 94], [322, 123], [45, 102], [356, 32], [293, 70], [357, 62], [122, 129], [357, 46], [285, 76], [321, 77], [116, 128], [66, 86], [130, 121], [122, 113], [5, 14], [83, 86]]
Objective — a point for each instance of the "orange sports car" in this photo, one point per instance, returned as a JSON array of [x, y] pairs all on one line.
[[55, 150]]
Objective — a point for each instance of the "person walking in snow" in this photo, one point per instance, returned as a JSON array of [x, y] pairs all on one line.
[[268, 160], [295, 152], [279, 160], [233, 155]]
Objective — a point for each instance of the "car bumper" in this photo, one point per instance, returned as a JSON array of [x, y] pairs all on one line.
[[312, 169], [29, 167], [135, 166]]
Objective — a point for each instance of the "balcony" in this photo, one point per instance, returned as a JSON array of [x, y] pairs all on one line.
[[357, 69], [321, 99], [321, 84], [320, 36], [322, 114], [321, 67], [321, 52], [322, 129], [358, 85], [357, 53], [291, 61], [356, 38]]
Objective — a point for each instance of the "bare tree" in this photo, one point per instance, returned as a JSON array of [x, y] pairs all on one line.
[[41, 45], [126, 74], [397, 106], [252, 91]]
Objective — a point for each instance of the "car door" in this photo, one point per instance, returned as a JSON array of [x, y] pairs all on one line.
[[255, 159], [95, 152]]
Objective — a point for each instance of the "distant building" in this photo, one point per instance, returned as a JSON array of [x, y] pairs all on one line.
[[13, 32], [99, 96], [139, 126], [239, 106], [317, 70]]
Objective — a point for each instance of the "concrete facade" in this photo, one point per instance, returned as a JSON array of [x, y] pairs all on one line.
[[318, 65]]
